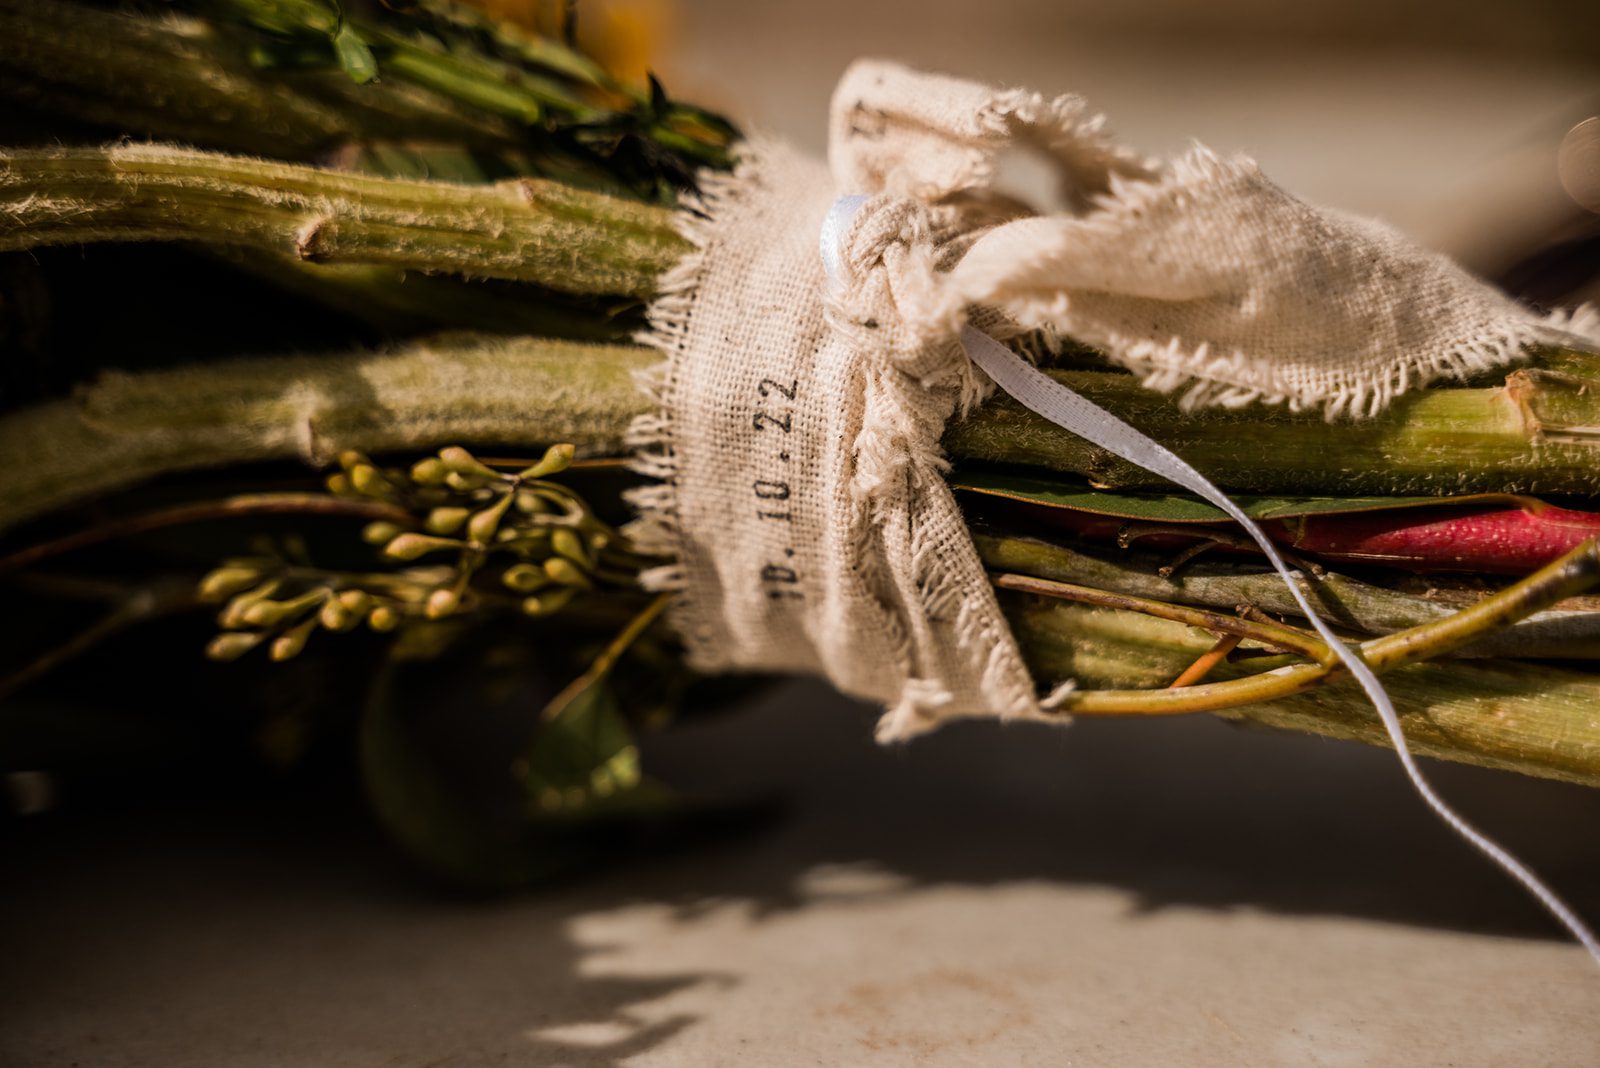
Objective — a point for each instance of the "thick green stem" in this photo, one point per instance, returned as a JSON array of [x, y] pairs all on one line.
[[1535, 720], [459, 389], [529, 230], [1538, 433]]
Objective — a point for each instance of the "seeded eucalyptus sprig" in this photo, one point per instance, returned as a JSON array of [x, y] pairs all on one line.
[[513, 541]]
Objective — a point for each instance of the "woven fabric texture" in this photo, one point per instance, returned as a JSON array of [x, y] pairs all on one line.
[[796, 438]]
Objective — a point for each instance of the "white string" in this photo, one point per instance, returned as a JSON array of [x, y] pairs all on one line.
[[1043, 395]]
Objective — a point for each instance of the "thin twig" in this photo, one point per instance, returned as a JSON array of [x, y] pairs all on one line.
[[1213, 656], [1274, 635], [138, 607], [1574, 573], [245, 504], [608, 656]]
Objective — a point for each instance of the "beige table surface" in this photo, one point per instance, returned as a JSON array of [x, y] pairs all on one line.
[[1152, 893]]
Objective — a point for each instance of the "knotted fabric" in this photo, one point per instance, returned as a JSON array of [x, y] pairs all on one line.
[[796, 440]]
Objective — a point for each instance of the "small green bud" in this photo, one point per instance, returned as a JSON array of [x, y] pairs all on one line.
[[335, 616], [226, 581], [383, 619], [411, 546], [368, 480], [463, 483], [557, 458], [232, 614], [548, 602], [381, 532], [441, 603], [524, 578], [564, 541], [350, 458], [338, 483], [463, 462], [446, 520], [231, 646], [287, 645], [530, 503], [481, 527], [565, 573], [429, 472], [355, 601], [265, 613]]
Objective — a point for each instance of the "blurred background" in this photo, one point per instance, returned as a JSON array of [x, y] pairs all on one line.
[[1112, 893]]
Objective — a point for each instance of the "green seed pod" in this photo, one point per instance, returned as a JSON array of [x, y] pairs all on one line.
[[462, 462], [224, 582], [287, 645], [232, 614], [446, 520], [266, 613], [524, 578], [564, 541], [565, 573], [411, 546], [350, 458], [338, 484], [463, 483], [383, 619], [481, 527], [335, 616], [231, 646], [557, 458], [530, 503], [381, 532], [441, 603], [357, 601], [548, 602], [429, 472], [368, 480]]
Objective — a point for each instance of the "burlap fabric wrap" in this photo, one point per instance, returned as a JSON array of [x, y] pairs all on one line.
[[797, 434]]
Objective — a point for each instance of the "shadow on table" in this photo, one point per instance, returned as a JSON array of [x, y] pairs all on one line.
[[280, 931]]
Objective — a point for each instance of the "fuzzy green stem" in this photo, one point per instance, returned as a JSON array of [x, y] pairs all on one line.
[[484, 391], [1532, 719], [1538, 433], [528, 230]]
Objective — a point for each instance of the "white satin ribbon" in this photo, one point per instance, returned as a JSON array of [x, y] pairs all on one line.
[[1071, 411]]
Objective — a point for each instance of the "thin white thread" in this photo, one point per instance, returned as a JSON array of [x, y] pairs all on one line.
[[1045, 396]]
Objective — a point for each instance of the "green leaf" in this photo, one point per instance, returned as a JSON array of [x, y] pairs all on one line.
[[355, 56], [1076, 495], [583, 756], [419, 807]]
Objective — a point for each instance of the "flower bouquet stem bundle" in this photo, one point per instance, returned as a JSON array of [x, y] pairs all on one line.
[[460, 224]]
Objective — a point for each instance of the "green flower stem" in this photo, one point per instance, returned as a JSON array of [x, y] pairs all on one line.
[[1538, 433], [1532, 719], [528, 230], [1345, 601], [1575, 573], [402, 302], [503, 392]]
